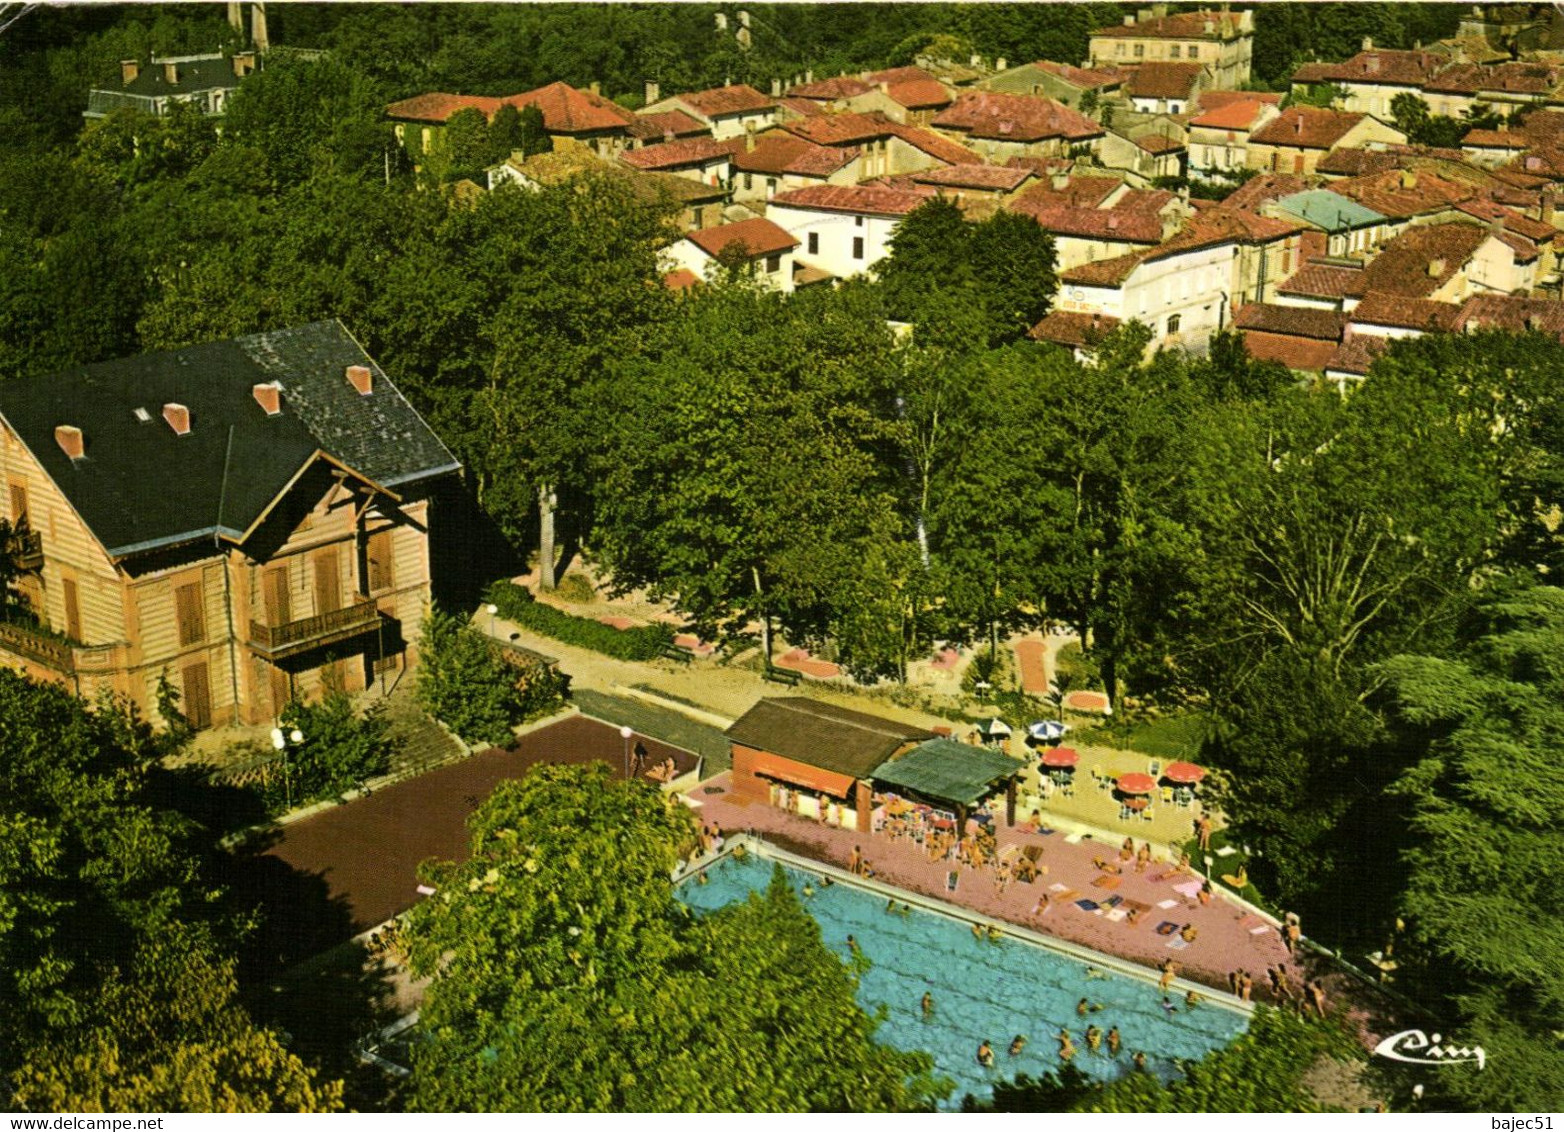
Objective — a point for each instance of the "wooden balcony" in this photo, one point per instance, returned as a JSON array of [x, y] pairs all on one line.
[[37, 646], [278, 641], [26, 549]]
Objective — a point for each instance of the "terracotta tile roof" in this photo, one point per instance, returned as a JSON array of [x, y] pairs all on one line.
[[1494, 139], [843, 129], [1405, 266], [919, 94], [1185, 25], [1073, 328], [802, 106], [1083, 77], [1143, 200], [1264, 187], [1376, 67], [1543, 125], [1520, 78], [759, 237], [1240, 224], [1079, 191], [1534, 230], [567, 110], [1230, 116], [993, 177], [681, 279], [676, 154], [1112, 225], [1015, 117], [900, 75], [1381, 309], [1357, 353], [1306, 127], [1042, 166], [1105, 272], [437, 106], [829, 90], [1523, 250], [1299, 322], [1350, 161], [1310, 355], [1216, 99], [1542, 161], [1514, 313], [675, 122], [1402, 193], [1163, 80], [1323, 281], [1460, 78], [777, 154], [740, 98], [936, 146], [852, 198], [1156, 143]]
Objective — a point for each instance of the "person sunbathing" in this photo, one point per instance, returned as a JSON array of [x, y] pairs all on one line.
[[1188, 933], [1106, 866]]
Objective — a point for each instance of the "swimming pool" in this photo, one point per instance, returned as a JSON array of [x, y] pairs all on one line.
[[982, 990]]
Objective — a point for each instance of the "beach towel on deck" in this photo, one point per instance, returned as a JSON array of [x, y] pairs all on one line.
[[1113, 902], [1177, 944], [1167, 927], [1086, 905], [952, 879], [1106, 881], [1117, 914]]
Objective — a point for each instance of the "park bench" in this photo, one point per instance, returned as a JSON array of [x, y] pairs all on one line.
[[782, 675], [676, 652]]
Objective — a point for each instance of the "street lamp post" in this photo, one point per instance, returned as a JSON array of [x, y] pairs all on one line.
[[280, 741], [626, 733], [492, 609], [1209, 860]]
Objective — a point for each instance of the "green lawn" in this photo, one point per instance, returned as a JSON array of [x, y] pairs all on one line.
[[1174, 737]]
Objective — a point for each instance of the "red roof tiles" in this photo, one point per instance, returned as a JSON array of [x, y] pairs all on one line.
[[1163, 80], [1264, 187], [1216, 99], [1156, 143], [1105, 272], [676, 154], [1072, 328], [1111, 225], [567, 110], [758, 237], [1083, 77], [1376, 67], [919, 94], [669, 122], [1493, 139], [1185, 25], [829, 90], [1306, 127], [1381, 309], [1356, 353], [852, 198], [1403, 193], [437, 106], [1323, 281], [804, 107], [719, 102], [777, 154], [992, 177], [1237, 115], [1513, 313], [1015, 117], [1407, 265], [1299, 322]]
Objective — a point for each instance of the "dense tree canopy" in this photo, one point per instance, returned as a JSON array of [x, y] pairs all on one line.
[[568, 978]]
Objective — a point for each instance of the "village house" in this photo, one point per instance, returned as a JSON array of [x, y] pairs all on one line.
[[1221, 41], [248, 520], [1373, 78], [1001, 126], [918, 93], [1297, 138], [1218, 138], [1058, 81], [696, 204], [777, 162], [1297, 337], [1143, 152], [727, 111], [979, 189], [1165, 88], [1095, 218], [203, 81], [1346, 227], [703, 159], [843, 230], [670, 125], [1076, 331], [760, 245], [886, 148], [1449, 262]]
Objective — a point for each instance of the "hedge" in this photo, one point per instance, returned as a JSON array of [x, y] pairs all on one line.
[[517, 604]]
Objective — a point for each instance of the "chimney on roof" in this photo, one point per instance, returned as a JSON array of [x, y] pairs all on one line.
[[1129, 21], [244, 62], [128, 70], [268, 395], [258, 34], [1159, 10], [1142, 14], [178, 418], [595, 87], [721, 19], [1436, 268], [1545, 206], [1210, 26], [1408, 179], [653, 91], [975, 61], [1496, 226], [171, 74], [1368, 43], [776, 88], [69, 438], [236, 16], [360, 378], [749, 136], [1060, 181], [1534, 322], [1001, 63], [809, 75], [743, 18], [667, 135], [1297, 124], [1371, 64]]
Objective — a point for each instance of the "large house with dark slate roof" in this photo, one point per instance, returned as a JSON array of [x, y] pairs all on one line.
[[204, 81], [248, 518]]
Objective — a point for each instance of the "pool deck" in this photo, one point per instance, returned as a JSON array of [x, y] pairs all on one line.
[[1228, 937]]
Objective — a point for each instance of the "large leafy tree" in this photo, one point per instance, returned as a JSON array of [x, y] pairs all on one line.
[[1482, 902], [568, 978], [119, 977]]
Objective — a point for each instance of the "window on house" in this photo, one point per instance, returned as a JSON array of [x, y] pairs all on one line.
[[1173, 52], [773, 264], [1194, 51], [814, 243], [857, 247], [196, 703], [190, 612], [1140, 50], [378, 553], [1118, 49], [771, 187], [276, 595], [749, 180], [1276, 161], [72, 609], [1173, 321], [18, 505], [858, 221], [1297, 163]]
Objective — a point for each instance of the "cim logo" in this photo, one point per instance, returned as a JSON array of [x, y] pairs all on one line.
[[1418, 1048]]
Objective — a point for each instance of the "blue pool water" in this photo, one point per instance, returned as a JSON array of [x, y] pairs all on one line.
[[982, 990]]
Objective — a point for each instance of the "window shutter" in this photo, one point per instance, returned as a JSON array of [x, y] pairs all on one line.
[[190, 613]]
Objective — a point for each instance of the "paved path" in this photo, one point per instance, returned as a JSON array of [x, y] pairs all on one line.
[[1032, 660], [1226, 939]]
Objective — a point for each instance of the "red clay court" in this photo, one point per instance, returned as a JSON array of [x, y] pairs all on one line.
[[367, 853]]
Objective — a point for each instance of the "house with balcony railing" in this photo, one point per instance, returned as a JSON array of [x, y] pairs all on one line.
[[248, 519]]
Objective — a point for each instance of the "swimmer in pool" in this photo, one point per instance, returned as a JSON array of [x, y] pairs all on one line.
[[1114, 1041], [1017, 1044]]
